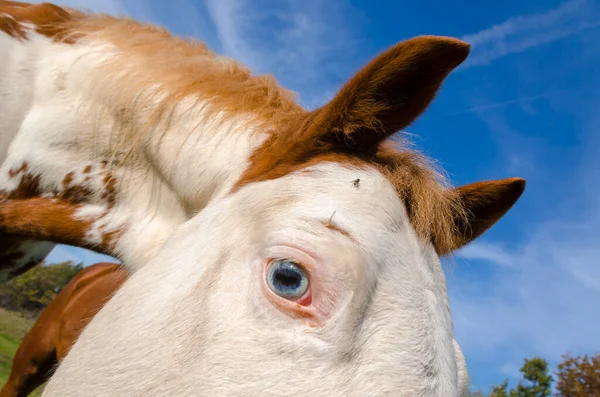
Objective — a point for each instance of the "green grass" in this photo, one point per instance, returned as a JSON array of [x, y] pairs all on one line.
[[13, 327], [14, 324]]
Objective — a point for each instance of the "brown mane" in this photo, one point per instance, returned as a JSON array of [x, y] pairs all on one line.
[[188, 69]]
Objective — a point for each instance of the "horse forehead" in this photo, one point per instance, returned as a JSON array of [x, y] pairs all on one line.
[[358, 202], [341, 187]]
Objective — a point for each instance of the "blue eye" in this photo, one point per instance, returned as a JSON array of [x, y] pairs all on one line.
[[287, 279]]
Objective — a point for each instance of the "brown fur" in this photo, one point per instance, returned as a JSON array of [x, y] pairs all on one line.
[[47, 19], [486, 203], [384, 97], [25, 215], [59, 326], [50, 219]]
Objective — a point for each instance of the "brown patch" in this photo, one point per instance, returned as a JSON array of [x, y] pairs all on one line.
[[28, 187], [13, 172], [68, 179], [26, 215], [87, 169], [48, 219], [109, 193], [383, 98], [74, 193], [110, 239], [47, 19], [216, 83], [11, 27]]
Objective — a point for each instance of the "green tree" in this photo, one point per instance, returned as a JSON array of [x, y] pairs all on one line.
[[33, 290], [501, 390], [535, 382], [578, 376]]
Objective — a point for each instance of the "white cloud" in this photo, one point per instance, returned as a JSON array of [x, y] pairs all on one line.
[[229, 19], [522, 101], [307, 45], [546, 302], [521, 33], [487, 252]]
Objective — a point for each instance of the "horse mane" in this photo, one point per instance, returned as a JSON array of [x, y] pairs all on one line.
[[435, 209], [158, 73]]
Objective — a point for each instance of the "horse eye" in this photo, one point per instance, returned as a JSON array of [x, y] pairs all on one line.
[[287, 279]]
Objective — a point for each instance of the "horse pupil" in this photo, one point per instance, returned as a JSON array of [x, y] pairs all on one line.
[[288, 278]]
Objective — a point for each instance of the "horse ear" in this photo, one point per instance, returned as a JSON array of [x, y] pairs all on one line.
[[390, 92], [485, 203]]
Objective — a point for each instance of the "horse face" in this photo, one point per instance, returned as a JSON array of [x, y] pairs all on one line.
[[318, 273], [313, 283]]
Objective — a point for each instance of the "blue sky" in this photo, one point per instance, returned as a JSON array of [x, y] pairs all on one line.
[[526, 103]]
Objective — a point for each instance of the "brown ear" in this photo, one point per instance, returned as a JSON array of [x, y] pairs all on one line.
[[391, 91], [485, 203]]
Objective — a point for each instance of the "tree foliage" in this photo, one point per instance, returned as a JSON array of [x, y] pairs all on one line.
[[575, 377], [33, 290], [501, 390], [535, 382], [578, 376]]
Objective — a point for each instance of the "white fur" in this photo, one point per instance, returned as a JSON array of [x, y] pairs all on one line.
[[17, 73], [204, 326], [192, 319], [54, 130]]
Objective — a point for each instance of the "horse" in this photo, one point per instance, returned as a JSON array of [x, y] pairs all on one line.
[[59, 326], [272, 250]]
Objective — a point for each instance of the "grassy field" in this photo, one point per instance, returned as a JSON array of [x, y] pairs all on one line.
[[13, 327]]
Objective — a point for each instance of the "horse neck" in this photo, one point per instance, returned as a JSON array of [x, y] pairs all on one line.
[[195, 148], [64, 121], [203, 152]]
